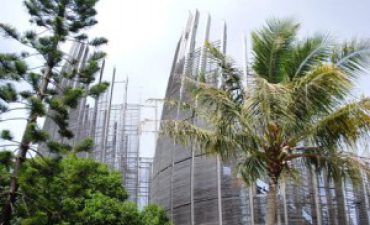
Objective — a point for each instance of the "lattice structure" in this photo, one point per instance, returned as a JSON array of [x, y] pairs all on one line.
[[115, 129], [198, 189], [144, 181]]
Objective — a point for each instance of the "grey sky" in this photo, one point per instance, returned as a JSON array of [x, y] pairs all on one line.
[[143, 33]]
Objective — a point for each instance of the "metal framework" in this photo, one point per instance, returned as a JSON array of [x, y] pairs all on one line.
[[115, 129], [198, 189]]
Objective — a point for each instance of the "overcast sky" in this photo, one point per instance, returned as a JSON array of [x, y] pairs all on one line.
[[143, 33]]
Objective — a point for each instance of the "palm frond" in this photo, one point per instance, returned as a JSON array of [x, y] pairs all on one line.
[[317, 93], [307, 54], [338, 165], [291, 173], [251, 168], [343, 127], [230, 75], [217, 102], [209, 141], [271, 47], [353, 57], [266, 103]]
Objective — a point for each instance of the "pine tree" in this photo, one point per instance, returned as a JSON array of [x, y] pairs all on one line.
[[55, 22]]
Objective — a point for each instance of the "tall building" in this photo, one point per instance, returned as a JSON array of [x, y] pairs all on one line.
[[114, 127], [198, 189]]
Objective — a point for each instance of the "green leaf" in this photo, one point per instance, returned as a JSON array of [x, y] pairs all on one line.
[[9, 31], [6, 135], [6, 158], [81, 37], [26, 94], [98, 56], [30, 35], [98, 41], [35, 134], [271, 46], [21, 67], [64, 132], [71, 96], [8, 93], [60, 148], [36, 106], [98, 89], [87, 74], [86, 145], [34, 80]]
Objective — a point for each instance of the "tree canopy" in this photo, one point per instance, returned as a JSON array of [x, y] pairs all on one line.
[[75, 191], [297, 106], [51, 90]]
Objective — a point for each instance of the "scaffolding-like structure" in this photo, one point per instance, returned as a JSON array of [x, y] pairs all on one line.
[[195, 188], [114, 127]]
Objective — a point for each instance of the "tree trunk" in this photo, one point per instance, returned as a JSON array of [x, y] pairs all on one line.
[[329, 197], [341, 207], [7, 210], [271, 203]]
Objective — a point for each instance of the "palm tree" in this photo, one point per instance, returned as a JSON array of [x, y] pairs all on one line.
[[298, 107]]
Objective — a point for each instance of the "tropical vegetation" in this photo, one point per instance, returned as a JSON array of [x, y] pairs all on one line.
[[53, 23], [62, 189], [73, 190], [297, 106]]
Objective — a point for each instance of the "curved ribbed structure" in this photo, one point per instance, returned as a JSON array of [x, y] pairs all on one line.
[[193, 188], [196, 189]]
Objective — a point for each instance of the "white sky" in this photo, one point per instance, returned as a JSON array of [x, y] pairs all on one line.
[[143, 33]]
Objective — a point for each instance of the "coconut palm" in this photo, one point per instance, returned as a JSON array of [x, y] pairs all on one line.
[[298, 107]]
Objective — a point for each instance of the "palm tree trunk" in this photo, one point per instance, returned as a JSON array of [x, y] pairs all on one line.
[[271, 203], [341, 207]]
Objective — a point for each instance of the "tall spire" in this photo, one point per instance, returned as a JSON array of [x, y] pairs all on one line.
[[202, 63]]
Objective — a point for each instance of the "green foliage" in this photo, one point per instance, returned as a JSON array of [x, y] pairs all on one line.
[[88, 72], [71, 96], [6, 160], [34, 134], [34, 80], [96, 212], [6, 165], [154, 215], [58, 148], [81, 37], [9, 31], [298, 95], [6, 135], [8, 93], [37, 108], [98, 56], [98, 89], [71, 189], [98, 41], [77, 191], [272, 45], [55, 22], [85, 145]]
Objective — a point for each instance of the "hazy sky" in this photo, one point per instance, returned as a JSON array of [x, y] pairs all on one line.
[[143, 33]]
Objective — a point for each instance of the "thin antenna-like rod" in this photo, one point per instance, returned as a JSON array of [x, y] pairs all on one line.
[[203, 56], [222, 48], [191, 44], [104, 150], [218, 158], [97, 99], [245, 59], [224, 37], [102, 71]]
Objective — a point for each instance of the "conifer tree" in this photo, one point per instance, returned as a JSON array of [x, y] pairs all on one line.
[[54, 23]]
